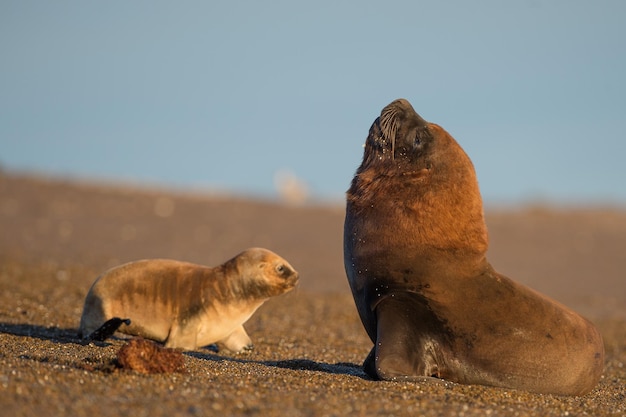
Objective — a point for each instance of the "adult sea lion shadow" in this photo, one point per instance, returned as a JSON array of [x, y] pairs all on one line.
[[339, 368]]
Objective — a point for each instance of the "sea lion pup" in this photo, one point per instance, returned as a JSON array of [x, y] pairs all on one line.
[[185, 305], [415, 245]]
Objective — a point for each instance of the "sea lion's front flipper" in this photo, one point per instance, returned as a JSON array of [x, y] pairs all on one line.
[[107, 329], [369, 364], [404, 348], [237, 341]]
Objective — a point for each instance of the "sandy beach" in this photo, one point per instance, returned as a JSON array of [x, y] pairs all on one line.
[[58, 235]]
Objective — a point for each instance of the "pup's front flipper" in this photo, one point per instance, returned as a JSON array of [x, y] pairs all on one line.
[[237, 341], [107, 329]]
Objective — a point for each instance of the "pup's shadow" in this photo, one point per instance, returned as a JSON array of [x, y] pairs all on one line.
[[51, 333], [68, 335]]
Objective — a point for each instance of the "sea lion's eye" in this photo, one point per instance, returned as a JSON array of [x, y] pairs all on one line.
[[280, 269], [419, 141]]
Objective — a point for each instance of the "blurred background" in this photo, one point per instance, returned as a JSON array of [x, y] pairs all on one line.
[[276, 98]]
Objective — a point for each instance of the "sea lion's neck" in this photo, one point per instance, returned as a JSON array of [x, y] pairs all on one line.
[[420, 210], [440, 225], [236, 283]]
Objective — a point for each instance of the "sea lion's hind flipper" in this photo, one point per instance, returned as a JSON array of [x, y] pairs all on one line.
[[107, 329], [404, 349]]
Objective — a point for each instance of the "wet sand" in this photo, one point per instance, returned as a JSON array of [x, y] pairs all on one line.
[[57, 236]]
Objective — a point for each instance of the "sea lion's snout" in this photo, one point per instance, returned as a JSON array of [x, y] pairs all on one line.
[[295, 279]]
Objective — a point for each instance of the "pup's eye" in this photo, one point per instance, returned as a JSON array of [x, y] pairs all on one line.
[[281, 269], [417, 142]]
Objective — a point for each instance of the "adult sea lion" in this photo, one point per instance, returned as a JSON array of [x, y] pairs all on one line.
[[185, 305], [415, 245]]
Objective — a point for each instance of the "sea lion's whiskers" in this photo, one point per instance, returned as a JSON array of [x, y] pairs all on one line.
[[388, 122]]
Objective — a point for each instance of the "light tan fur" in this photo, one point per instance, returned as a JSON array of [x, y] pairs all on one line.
[[185, 305]]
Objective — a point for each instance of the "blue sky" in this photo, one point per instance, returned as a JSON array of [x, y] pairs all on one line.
[[222, 95]]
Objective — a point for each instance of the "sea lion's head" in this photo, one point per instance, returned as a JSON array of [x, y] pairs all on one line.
[[417, 167], [399, 133], [401, 142], [264, 274]]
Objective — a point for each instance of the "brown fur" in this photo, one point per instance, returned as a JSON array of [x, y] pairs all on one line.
[[415, 244], [185, 305]]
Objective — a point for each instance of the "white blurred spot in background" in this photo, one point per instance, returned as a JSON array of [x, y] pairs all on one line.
[[290, 188]]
